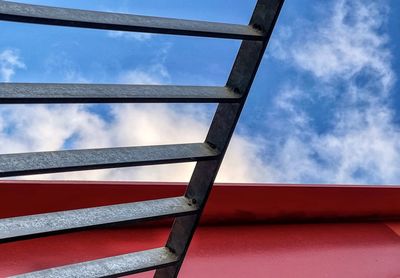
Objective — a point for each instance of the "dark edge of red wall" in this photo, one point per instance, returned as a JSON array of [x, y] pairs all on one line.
[[228, 204]]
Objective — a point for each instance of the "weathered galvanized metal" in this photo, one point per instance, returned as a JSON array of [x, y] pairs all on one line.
[[208, 155], [110, 267], [79, 160], [18, 93], [32, 226], [17, 12]]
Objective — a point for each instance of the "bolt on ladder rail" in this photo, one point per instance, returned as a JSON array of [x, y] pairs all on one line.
[[187, 209]]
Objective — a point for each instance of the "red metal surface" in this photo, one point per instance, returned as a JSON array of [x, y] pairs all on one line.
[[231, 247], [228, 204], [312, 250]]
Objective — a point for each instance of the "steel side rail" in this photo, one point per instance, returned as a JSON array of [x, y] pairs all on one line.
[[225, 119]]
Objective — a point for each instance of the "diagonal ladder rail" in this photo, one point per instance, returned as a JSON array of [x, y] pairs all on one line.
[[187, 209], [222, 127]]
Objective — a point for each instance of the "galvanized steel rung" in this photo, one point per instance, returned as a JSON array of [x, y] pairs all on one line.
[[27, 13], [32, 226], [25, 93], [90, 159], [110, 267]]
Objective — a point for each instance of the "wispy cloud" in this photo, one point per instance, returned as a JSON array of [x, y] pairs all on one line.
[[154, 74], [40, 128], [347, 55], [130, 35], [62, 65], [53, 127], [348, 42], [10, 61]]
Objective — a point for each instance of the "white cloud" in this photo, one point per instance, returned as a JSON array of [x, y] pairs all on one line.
[[61, 64], [39, 128], [52, 127], [155, 74], [9, 63], [361, 148], [347, 42], [44, 127], [347, 55], [130, 35]]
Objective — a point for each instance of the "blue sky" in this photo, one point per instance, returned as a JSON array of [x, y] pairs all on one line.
[[323, 108]]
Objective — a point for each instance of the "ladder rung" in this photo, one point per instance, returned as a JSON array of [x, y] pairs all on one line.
[[78, 160], [11, 11], [32, 226], [17, 93], [111, 267]]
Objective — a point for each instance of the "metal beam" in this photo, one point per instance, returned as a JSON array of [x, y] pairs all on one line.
[[23, 93], [39, 225], [27, 13], [90, 159], [241, 78], [110, 267]]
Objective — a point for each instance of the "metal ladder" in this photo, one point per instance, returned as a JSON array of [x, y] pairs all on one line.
[[186, 209]]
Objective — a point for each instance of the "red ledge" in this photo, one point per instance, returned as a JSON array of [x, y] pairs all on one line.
[[228, 204]]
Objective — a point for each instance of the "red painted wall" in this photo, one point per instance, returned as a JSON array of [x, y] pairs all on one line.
[[229, 203], [236, 238]]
